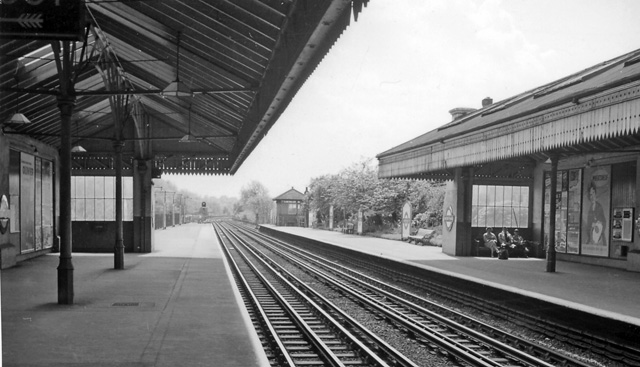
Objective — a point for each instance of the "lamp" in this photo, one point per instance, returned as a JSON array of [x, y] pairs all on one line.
[[177, 88], [188, 138], [17, 118], [77, 148]]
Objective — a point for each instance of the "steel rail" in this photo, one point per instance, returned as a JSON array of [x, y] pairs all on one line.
[[518, 343], [328, 356], [442, 338], [274, 341], [382, 347]]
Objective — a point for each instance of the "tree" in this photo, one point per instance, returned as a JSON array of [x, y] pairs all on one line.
[[359, 188], [255, 197]]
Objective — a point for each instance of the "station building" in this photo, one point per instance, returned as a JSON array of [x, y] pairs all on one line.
[[559, 162], [290, 209]]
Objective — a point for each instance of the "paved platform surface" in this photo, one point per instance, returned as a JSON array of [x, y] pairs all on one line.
[[176, 306], [607, 292]]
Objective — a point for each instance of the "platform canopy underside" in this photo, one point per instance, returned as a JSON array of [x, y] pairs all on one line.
[[238, 64]]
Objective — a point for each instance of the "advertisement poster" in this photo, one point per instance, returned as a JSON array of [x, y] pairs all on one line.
[[27, 202], [596, 205], [622, 225], [573, 208]]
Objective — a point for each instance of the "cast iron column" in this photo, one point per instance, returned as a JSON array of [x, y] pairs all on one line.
[[551, 250], [66, 103], [118, 259]]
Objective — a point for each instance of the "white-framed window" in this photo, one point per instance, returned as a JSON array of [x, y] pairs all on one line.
[[93, 198], [500, 206]]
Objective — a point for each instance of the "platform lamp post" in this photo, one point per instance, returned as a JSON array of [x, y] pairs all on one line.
[[179, 209], [154, 200], [182, 206], [173, 208]]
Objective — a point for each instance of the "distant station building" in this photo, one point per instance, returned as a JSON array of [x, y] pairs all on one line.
[[558, 162], [289, 209]]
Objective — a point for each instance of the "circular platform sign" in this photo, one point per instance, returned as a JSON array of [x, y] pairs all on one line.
[[449, 218], [406, 220]]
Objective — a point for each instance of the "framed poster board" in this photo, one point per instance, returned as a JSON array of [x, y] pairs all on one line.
[[622, 224]]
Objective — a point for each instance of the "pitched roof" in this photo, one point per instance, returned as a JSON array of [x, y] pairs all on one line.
[[292, 194], [574, 113]]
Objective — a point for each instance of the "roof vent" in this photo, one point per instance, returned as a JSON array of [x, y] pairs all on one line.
[[487, 102], [460, 112]]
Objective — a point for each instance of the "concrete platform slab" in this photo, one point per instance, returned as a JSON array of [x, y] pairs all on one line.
[[174, 307]]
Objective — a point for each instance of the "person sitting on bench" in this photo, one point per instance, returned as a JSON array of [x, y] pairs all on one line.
[[490, 241], [506, 244], [520, 245]]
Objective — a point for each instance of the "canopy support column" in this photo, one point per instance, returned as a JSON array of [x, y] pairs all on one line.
[[551, 250]]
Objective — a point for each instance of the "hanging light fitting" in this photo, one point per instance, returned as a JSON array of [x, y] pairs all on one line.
[[177, 88]]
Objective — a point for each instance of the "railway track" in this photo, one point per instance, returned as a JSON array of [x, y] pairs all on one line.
[[294, 324], [612, 350], [463, 340]]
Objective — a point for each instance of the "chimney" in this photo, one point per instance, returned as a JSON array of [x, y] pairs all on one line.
[[487, 102], [459, 112]]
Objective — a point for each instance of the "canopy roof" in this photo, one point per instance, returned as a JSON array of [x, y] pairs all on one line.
[[593, 111], [238, 64]]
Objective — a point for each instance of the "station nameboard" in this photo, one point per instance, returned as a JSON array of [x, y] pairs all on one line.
[[41, 19]]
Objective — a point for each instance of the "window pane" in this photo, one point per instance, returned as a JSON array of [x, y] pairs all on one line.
[[109, 210], [109, 187], [80, 215], [73, 209], [482, 216], [499, 200], [524, 196], [499, 213], [99, 187], [515, 195], [99, 209], [508, 217], [508, 196], [90, 213], [491, 195], [482, 195], [127, 188], [523, 218], [491, 211], [73, 186], [127, 210], [89, 187], [80, 188], [474, 216], [474, 195]]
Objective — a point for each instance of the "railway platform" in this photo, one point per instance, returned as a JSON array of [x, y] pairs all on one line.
[[176, 306], [606, 292]]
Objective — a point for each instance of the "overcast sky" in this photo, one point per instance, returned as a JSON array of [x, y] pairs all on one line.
[[396, 73]]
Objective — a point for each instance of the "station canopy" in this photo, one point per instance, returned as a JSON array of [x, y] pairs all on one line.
[[195, 85], [593, 111]]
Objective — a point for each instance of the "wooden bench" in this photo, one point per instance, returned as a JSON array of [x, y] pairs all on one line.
[[480, 250], [422, 236], [348, 229]]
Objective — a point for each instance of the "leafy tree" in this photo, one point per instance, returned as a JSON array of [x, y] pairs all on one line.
[[255, 197], [359, 188]]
